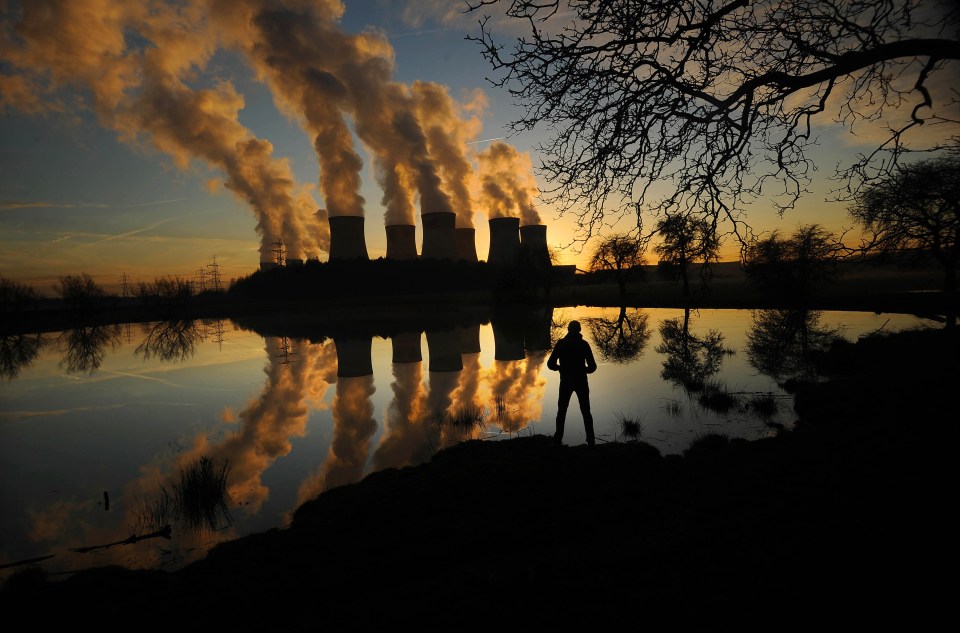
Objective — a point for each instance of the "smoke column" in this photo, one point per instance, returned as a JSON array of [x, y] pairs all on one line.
[[507, 187], [141, 93]]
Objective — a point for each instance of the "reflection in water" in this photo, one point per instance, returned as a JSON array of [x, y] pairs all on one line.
[[17, 352], [353, 421], [469, 416], [620, 340], [86, 347], [781, 343], [170, 340], [690, 359], [516, 379], [405, 434]]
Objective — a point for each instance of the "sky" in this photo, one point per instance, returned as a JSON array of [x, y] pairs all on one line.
[[143, 140]]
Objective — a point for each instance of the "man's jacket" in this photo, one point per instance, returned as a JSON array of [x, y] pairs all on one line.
[[573, 358]]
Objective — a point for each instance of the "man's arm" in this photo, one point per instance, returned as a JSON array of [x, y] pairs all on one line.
[[552, 361], [591, 363]]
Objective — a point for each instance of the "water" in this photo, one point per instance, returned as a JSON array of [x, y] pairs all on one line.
[[96, 425]]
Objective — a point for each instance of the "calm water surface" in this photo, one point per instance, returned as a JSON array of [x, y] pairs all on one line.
[[97, 425]]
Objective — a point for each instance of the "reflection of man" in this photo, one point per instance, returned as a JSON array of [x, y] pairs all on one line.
[[573, 358]]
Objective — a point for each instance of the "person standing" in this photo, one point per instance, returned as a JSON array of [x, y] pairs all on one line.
[[573, 358]]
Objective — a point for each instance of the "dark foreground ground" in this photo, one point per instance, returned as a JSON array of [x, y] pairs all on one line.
[[844, 523]]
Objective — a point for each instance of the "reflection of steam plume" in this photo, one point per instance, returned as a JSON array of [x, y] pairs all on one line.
[[466, 399], [265, 429], [141, 93], [515, 383], [353, 421], [406, 437]]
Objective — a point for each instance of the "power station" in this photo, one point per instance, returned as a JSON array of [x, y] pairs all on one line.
[[442, 240]]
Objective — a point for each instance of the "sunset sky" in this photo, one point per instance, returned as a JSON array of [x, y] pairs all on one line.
[[139, 142]]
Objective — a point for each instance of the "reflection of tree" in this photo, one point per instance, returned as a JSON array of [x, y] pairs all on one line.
[[170, 340], [691, 359], [16, 352], [86, 345], [781, 343], [620, 340]]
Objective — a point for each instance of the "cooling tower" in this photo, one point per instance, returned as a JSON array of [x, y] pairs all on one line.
[[346, 237], [294, 262], [353, 356], [533, 240], [439, 236], [401, 241], [443, 346], [269, 265], [406, 347], [467, 244], [504, 241]]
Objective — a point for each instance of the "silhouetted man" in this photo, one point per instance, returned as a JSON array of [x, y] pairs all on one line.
[[573, 358]]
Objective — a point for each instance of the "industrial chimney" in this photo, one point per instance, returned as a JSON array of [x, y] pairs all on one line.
[[346, 237], [533, 240], [439, 235], [504, 241], [401, 241], [467, 244]]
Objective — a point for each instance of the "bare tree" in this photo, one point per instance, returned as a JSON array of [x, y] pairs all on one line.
[[685, 241], [718, 99], [914, 212], [790, 269], [621, 254]]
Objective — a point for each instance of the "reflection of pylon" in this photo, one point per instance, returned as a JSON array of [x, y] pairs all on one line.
[[278, 256], [285, 352], [218, 333]]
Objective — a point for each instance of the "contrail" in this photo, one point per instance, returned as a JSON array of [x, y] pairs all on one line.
[[487, 140], [150, 204], [13, 204]]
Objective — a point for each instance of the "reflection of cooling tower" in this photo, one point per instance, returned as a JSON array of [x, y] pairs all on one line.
[[467, 244], [401, 241], [406, 347], [533, 239], [346, 237], [536, 335], [470, 339], [439, 235], [507, 340], [444, 349], [353, 357], [504, 241]]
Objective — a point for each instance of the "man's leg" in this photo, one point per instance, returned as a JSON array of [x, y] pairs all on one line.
[[562, 403], [583, 397]]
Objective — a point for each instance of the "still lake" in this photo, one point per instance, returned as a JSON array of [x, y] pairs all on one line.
[[96, 425]]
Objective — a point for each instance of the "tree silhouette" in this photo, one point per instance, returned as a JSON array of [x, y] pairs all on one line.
[[86, 345], [174, 340], [783, 344], [718, 99], [690, 359], [622, 255], [914, 212], [620, 340], [790, 269], [686, 240], [18, 351]]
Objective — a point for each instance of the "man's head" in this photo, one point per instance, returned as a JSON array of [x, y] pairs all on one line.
[[574, 327]]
